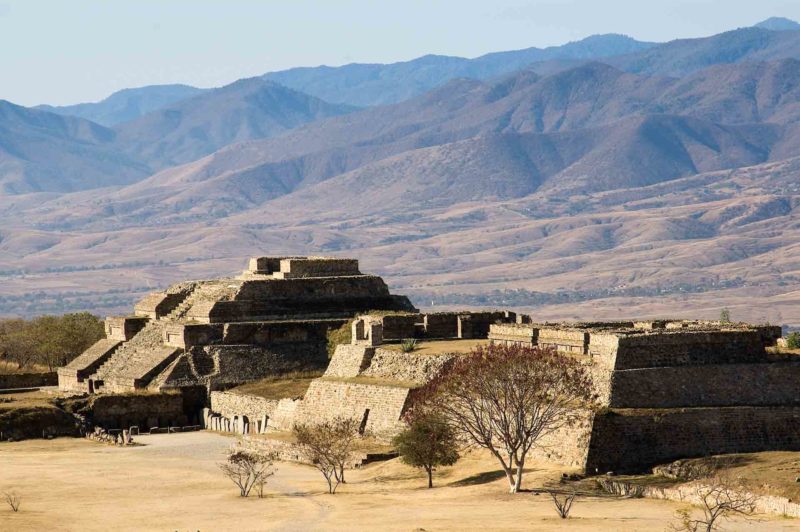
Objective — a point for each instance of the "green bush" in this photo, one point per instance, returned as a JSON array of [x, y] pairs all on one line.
[[427, 443], [408, 345], [793, 340], [342, 335]]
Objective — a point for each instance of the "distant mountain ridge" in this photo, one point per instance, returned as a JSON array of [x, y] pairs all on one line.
[[588, 129], [377, 84], [45, 152], [660, 180], [778, 24], [245, 110], [127, 104], [359, 84]]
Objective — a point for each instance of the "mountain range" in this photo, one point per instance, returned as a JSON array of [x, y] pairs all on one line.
[[576, 180]]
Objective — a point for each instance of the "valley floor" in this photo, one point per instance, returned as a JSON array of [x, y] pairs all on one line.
[[172, 482]]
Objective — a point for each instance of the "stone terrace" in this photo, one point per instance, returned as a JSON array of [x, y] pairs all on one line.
[[272, 318], [672, 389]]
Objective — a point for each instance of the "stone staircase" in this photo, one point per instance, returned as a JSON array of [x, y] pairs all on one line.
[[207, 291], [135, 361], [181, 310]]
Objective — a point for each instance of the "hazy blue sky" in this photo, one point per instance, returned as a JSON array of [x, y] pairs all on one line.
[[68, 51]]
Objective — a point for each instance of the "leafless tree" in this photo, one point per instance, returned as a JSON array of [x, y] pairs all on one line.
[[13, 499], [329, 446], [506, 398], [563, 503], [248, 469], [720, 497]]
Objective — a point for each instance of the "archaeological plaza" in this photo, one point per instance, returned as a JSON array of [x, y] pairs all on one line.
[[184, 358]]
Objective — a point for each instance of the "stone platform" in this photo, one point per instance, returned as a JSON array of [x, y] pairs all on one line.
[[272, 318]]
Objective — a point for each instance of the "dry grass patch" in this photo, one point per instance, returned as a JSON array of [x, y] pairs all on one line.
[[439, 347], [291, 385]]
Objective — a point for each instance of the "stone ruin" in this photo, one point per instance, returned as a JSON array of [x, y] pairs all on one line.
[[667, 389], [671, 389], [271, 319], [364, 379]]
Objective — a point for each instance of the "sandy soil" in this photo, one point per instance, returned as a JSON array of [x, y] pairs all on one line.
[[438, 347], [172, 483]]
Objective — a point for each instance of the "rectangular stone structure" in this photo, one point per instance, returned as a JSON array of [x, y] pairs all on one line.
[[295, 268]]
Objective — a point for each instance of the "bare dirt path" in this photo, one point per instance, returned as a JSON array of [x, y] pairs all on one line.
[[172, 484]]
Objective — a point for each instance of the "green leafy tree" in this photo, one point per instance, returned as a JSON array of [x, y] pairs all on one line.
[[427, 443], [50, 341], [725, 315]]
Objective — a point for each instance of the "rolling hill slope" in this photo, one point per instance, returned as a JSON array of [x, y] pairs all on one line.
[[244, 110], [127, 104], [45, 152]]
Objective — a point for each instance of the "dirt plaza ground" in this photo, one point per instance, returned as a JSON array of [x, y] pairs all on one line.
[[172, 482]]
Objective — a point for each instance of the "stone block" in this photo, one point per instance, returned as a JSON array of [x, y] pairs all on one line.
[[367, 330], [300, 267], [464, 326], [123, 328], [441, 325], [400, 326]]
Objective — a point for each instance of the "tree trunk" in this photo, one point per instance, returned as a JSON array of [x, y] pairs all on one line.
[[518, 483], [511, 482], [430, 476]]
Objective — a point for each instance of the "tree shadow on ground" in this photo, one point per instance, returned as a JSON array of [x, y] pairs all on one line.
[[481, 478]]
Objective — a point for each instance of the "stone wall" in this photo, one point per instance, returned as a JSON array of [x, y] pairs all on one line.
[[230, 410], [145, 410], [378, 406], [222, 366], [514, 333], [708, 385], [569, 444], [124, 328], [676, 348], [28, 380], [349, 360], [231, 404], [298, 267], [441, 325], [635, 440], [574, 341], [400, 326], [405, 367]]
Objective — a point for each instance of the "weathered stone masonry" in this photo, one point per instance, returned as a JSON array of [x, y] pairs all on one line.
[[271, 319], [674, 389]]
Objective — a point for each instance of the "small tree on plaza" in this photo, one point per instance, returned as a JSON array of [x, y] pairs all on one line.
[[329, 446], [720, 498], [247, 470], [427, 443]]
